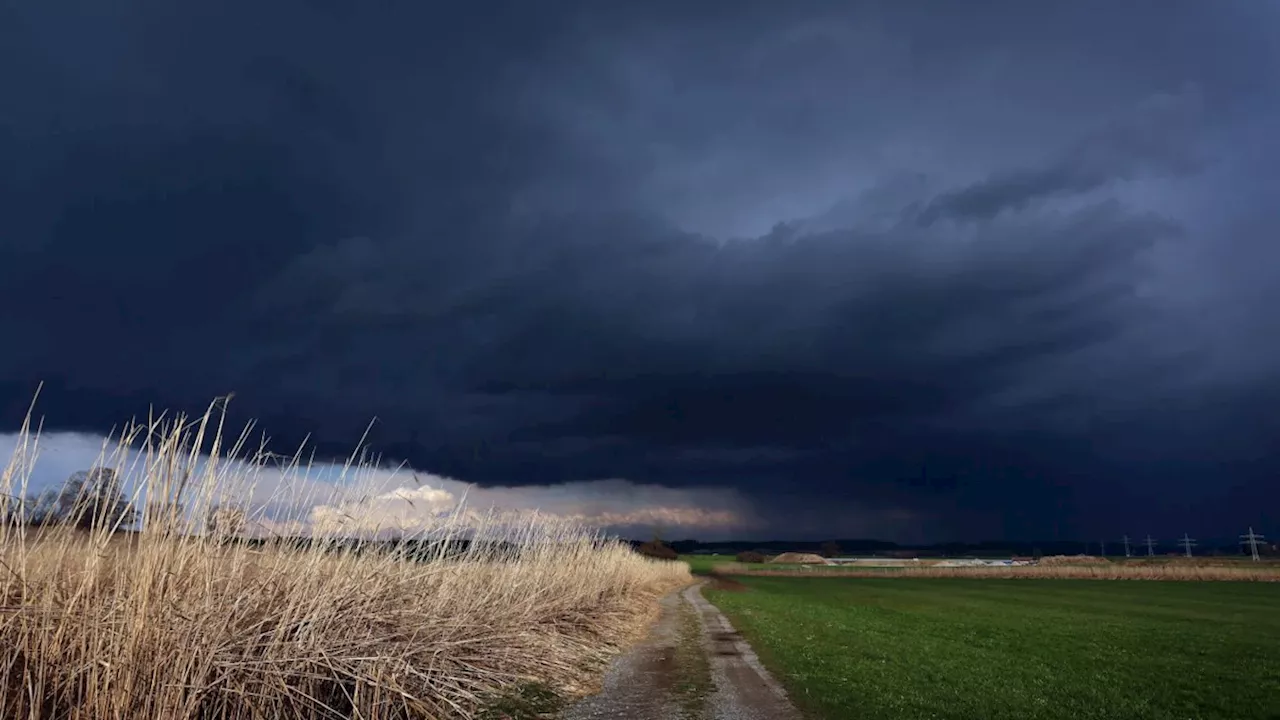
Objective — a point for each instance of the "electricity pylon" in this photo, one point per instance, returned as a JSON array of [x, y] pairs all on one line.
[[1187, 543], [1252, 541]]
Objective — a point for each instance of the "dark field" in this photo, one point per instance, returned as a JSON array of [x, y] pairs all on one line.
[[903, 648]]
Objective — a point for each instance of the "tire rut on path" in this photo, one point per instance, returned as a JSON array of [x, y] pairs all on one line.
[[693, 666]]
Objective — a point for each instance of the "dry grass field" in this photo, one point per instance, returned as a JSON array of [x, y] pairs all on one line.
[[175, 623]]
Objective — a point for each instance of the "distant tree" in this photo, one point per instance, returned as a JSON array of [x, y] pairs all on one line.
[[655, 548], [164, 516], [94, 499], [750, 556], [41, 509], [224, 521], [830, 549]]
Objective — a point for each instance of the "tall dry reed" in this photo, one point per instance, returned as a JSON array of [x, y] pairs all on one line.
[[173, 622]]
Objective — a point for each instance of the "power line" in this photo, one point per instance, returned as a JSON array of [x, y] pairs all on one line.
[[1187, 543], [1125, 539], [1151, 546], [1252, 541]]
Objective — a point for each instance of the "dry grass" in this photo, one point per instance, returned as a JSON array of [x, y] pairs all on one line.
[[1072, 560], [1259, 572], [1198, 561], [170, 623]]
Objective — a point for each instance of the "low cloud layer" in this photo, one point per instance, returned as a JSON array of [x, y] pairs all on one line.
[[367, 501], [918, 271]]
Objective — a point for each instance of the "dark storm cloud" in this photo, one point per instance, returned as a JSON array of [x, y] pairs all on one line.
[[994, 293], [1156, 137]]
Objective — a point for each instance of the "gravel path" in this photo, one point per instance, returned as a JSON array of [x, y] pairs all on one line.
[[693, 666]]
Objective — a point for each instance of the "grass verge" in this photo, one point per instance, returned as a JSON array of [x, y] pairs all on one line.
[[693, 668], [1026, 649]]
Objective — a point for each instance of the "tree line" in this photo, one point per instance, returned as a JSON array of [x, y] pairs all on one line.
[[95, 499]]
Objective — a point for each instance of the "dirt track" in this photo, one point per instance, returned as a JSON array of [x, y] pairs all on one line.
[[693, 666]]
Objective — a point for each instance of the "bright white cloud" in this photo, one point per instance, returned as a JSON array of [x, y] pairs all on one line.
[[326, 497]]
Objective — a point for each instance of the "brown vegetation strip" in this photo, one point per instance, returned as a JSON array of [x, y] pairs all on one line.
[[728, 584], [1112, 571]]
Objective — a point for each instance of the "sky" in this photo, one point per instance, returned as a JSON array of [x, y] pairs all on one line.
[[916, 271]]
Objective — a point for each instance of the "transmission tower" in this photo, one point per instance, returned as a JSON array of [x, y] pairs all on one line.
[[1102, 548], [1151, 546], [1125, 539], [1252, 541], [1187, 543]]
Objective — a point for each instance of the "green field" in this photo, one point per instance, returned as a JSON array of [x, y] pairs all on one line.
[[1017, 649], [702, 564]]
